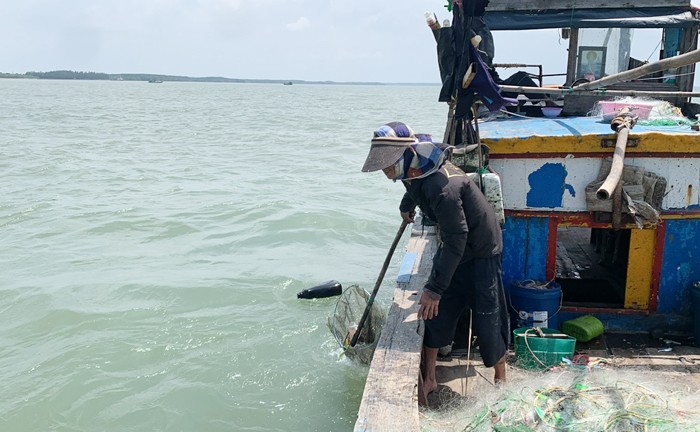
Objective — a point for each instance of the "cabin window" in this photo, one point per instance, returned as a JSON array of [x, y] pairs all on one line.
[[591, 266], [603, 52]]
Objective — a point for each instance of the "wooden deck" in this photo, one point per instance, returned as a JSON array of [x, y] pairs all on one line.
[[621, 351], [634, 366], [390, 399]]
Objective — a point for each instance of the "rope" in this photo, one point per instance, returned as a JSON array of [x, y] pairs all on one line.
[[530, 349], [526, 117], [654, 50], [469, 355]]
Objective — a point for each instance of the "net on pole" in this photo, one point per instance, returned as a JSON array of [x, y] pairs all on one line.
[[346, 316]]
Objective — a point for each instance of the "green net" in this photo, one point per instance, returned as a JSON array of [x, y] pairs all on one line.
[[655, 112], [346, 316], [577, 400]]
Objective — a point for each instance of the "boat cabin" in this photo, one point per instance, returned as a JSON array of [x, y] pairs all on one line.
[[597, 49], [554, 229]]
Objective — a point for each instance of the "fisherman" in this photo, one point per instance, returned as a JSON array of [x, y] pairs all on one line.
[[467, 266]]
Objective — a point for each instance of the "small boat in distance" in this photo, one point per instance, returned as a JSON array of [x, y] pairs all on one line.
[[287, 83], [155, 81]]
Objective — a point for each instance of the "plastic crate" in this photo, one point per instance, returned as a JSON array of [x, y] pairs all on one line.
[[534, 352], [583, 328]]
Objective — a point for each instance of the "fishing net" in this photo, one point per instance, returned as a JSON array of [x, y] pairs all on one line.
[[577, 400], [651, 112], [343, 324]]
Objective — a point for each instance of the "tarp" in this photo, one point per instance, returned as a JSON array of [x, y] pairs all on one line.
[[591, 18]]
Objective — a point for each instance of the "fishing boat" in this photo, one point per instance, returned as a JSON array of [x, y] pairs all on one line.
[[634, 268]]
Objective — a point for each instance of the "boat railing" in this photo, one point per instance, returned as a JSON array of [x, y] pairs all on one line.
[[539, 76]]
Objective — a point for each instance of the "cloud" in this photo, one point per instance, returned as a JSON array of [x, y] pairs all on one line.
[[300, 24]]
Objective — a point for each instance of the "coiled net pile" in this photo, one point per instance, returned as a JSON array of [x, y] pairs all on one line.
[[575, 400]]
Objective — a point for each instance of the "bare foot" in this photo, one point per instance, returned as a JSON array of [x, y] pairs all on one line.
[[422, 400], [423, 391], [429, 387], [499, 368]]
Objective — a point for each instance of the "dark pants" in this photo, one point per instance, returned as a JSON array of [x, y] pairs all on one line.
[[476, 284]]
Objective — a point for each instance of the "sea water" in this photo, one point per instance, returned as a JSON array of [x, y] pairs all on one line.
[[153, 239]]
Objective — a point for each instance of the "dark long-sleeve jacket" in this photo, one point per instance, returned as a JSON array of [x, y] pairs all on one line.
[[467, 222]]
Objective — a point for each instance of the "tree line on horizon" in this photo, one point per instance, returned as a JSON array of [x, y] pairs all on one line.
[[77, 75]]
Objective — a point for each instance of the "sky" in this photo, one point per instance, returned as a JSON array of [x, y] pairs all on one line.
[[313, 40]]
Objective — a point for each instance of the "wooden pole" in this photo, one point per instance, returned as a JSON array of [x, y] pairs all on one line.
[[686, 59], [685, 76], [573, 49], [377, 284], [600, 92]]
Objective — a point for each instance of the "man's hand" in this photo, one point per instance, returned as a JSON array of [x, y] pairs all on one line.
[[429, 302], [408, 216]]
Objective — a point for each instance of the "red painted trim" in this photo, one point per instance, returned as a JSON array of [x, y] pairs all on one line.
[[527, 213], [545, 213], [656, 265], [589, 155], [546, 155], [551, 265], [592, 310], [586, 218], [690, 214]]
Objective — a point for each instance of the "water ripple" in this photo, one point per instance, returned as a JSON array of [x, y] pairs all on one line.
[[155, 237]]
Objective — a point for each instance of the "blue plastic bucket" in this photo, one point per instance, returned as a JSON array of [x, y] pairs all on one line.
[[535, 304], [695, 293]]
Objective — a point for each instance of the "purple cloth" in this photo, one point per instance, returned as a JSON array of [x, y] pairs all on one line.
[[485, 88]]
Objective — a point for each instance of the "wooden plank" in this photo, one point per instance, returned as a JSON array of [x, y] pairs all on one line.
[[683, 180], [522, 5], [681, 360], [406, 269], [639, 265], [571, 61], [686, 74], [390, 398]]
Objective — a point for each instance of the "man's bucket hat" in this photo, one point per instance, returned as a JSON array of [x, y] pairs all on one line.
[[388, 144]]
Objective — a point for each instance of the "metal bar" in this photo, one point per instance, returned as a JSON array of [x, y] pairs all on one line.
[[600, 92], [686, 59]]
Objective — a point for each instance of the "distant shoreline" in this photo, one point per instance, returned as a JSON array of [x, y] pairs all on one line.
[[98, 76]]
